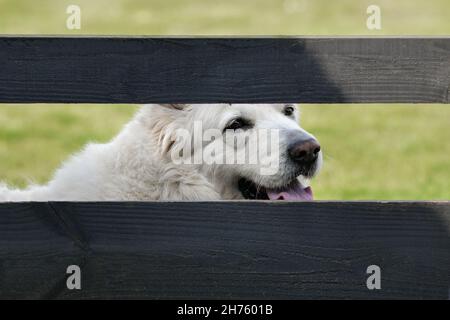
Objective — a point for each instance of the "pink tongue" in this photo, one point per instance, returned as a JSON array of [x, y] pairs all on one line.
[[296, 192]]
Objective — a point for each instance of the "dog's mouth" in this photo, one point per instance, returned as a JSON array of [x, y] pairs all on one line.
[[294, 191]]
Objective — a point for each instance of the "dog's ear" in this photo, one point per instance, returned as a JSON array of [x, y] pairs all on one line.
[[175, 106]]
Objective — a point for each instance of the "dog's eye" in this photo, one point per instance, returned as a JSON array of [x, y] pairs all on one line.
[[238, 123], [288, 111]]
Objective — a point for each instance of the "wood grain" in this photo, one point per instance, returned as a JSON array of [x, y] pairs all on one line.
[[208, 70], [225, 250]]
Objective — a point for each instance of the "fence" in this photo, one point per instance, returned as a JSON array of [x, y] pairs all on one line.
[[229, 249]]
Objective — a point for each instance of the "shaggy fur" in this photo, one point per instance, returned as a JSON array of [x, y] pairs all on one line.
[[136, 164]]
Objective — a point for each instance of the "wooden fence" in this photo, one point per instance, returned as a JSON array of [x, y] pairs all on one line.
[[224, 250]]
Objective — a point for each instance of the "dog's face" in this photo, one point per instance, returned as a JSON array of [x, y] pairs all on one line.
[[248, 151]]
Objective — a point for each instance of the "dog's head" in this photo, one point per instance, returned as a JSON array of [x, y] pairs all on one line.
[[247, 151]]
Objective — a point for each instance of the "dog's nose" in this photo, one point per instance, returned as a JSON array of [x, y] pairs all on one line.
[[304, 152]]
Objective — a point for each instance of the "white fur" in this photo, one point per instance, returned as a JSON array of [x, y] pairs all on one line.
[[136, 164]]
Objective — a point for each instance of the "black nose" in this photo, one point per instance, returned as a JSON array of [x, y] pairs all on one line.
[[304, 152]]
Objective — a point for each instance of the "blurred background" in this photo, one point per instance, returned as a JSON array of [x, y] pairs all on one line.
[[391, 152]]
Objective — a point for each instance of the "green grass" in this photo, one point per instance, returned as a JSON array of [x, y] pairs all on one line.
[[382, 152], [371, 151], [35, 139], [238, 17]]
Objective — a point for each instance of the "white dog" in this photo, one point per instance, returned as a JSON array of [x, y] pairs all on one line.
[[151, 158]]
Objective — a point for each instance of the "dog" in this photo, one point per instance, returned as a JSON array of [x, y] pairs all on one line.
[[152, 158]]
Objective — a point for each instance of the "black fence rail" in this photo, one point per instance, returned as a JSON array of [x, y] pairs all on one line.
[[220, 250], [202, 70], [248, 249]]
